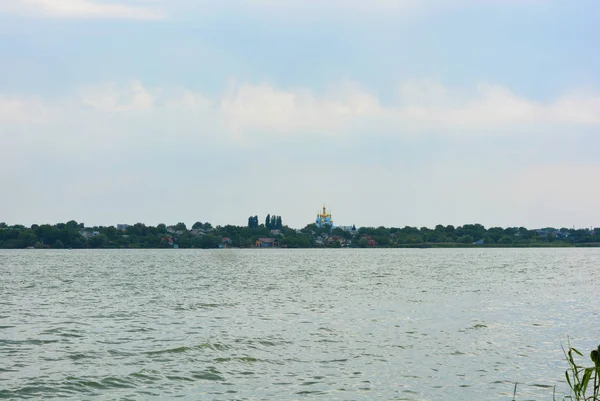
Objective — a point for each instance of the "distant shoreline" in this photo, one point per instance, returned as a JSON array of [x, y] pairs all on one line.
[[418, 246], [273, 234]]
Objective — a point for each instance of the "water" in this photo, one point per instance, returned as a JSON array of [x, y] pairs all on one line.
[[294, 324]]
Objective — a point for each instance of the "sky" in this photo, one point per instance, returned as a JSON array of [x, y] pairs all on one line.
[[390, 112]]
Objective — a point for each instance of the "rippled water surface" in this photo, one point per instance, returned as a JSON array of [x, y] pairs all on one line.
[[294, 324]]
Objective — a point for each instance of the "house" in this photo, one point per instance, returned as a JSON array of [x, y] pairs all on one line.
[[122, 227], [167, 240], [276, 232], [171, 230], [225, 242], [267, 243], [89, 234], [480, 242], [336, 238], [371, 242]]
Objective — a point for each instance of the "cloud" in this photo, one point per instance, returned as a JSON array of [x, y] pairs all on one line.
[[80, 9], [254, 110], [306, 5], [337, 8], [420, 107], [110, 98], [147, 10], [22, 110], [174, 145]]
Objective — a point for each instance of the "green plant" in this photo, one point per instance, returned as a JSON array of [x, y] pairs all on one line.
[[579, 378]]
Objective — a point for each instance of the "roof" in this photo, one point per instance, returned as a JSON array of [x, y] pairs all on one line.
[[268, 240]]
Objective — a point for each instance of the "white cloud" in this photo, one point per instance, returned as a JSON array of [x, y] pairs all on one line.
[[264, 108], [22, 110], [176, 144], [109, 97], [315, 5], [80, 9], [420, 108], [361, 8], [148, 10], [248, 110]]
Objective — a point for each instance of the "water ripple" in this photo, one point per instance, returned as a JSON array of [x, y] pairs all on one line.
[[286, 324]]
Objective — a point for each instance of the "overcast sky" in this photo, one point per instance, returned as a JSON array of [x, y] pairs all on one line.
[[392, 112]]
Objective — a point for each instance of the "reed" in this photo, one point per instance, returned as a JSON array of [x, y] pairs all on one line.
[[580, 378], [583, 382]]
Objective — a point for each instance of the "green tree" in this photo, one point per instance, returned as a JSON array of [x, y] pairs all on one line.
[[58, 244], [253, 222], [197, 225], [180, 227], [268, 221], [77, 243], [98, 241], [26, 238], [466, 239], [72, 225], [185, 240]]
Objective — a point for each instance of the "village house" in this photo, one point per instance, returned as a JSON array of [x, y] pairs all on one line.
[[371, 242], [167, 240], [171, 230], [336, 238], [225, 242], [89, 233], [267, 243]]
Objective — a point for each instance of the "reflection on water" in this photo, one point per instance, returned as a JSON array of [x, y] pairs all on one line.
[[286, 324]]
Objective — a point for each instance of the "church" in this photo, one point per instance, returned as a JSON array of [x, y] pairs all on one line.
[[324, 218]]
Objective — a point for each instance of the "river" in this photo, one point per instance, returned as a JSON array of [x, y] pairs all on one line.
[[389, 324]]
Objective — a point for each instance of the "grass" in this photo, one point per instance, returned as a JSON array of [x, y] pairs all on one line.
[[580, 378], [583, 382]]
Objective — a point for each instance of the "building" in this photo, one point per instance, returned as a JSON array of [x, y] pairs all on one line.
[[267, 243], [168, 240], [324, 218], [122, 227], [226, 243], [336, 238], [371, 242], [89, 233]]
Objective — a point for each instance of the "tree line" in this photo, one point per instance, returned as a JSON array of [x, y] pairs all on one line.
[[203, 235]]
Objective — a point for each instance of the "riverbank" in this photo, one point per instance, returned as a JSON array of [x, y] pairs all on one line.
[[204, 235]]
